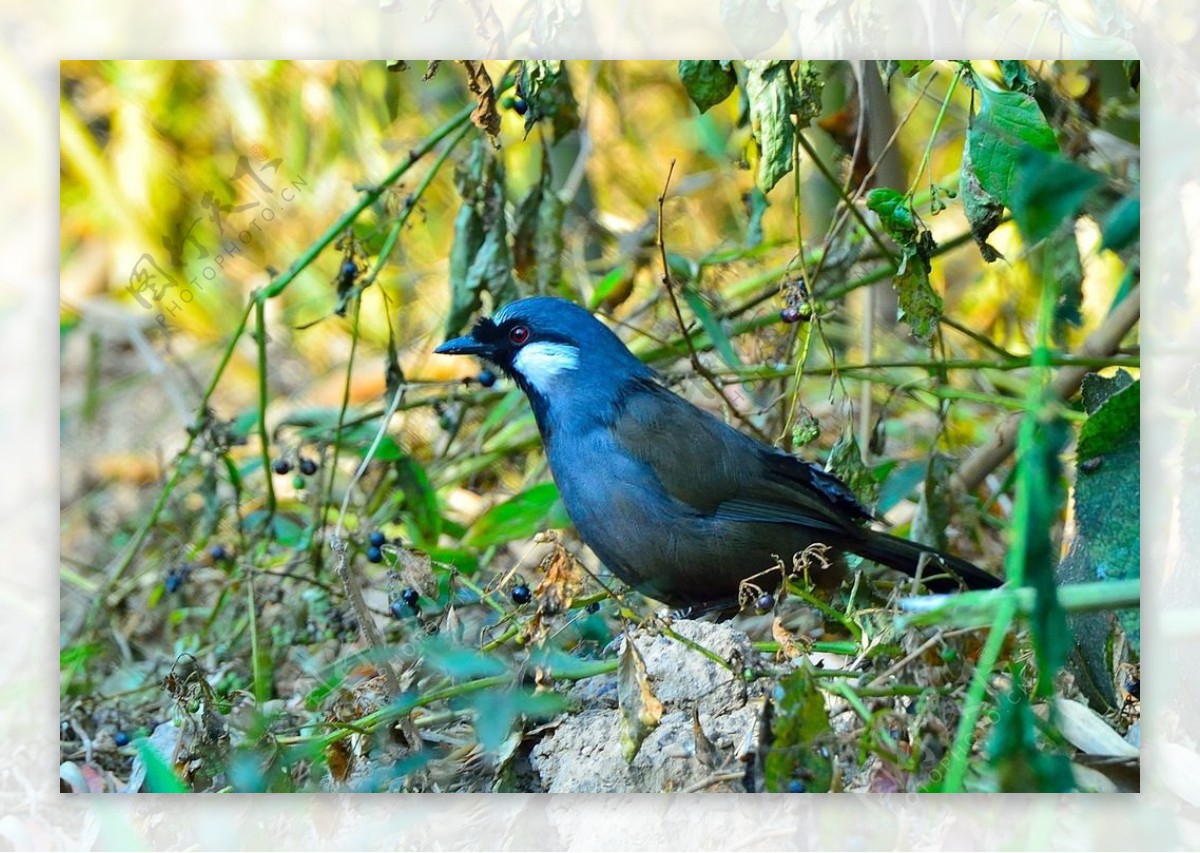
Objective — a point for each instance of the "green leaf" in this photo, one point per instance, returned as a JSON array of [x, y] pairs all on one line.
[[1006, 123], [497, 710], [612, 283], [546, 89], [845, 460], [910, 67], [160, 777], [1050, 190], [1123, 224], [1057, 258], [538, 238], [900, 484], [419, 499], [920, 304], [983, 211], [1022, 765], [772, 95], [895, 213], [800, 756], [479, 256], [519, 517], [716, 332], [757, 204], [387, 450], [707, 81], [1017, 76], [458, 662]]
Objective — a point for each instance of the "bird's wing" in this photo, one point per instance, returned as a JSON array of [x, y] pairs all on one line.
[[708, 465]]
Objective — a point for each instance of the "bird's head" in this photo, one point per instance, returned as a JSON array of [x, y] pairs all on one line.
[[553, 349]]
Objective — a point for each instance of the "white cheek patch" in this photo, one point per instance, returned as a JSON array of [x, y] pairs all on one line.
[[540, 361]]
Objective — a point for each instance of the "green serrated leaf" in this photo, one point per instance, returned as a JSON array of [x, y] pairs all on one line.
[[519, 517], [1006, 123], [772, 95], [894, 212], [983, 211], [800, 757], [707, 81]]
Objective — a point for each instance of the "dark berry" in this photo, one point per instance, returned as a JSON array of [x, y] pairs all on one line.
[[520, 106], [594, 607], [790, 315], [281, 466], [795, 786], [374, 554], [397, 609], [486, 378], [219, 553], [121, 738], [349, 269], [307, 466], [410, 596], [1134, 688], [765, 603], [175, 578], [376, 538], [298, 482], [521, 594]]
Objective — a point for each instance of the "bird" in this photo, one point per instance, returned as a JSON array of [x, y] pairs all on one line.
[[672, 500]]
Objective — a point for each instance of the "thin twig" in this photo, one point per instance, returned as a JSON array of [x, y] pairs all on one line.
[[715, 779], [695, 356]]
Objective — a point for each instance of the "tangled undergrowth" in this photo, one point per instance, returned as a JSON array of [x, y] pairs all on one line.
[[301, 555]]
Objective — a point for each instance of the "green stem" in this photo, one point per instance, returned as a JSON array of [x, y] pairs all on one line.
[[937, 124], [956, 768], [260, 333], [368, 198], [853, 208]]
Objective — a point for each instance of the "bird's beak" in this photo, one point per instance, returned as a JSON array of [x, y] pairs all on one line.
[[466, 345]]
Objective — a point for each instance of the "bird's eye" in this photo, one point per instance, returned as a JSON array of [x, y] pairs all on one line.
[[518, 335]]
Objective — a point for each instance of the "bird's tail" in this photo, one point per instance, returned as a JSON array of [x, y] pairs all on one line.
[[942, 572]]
